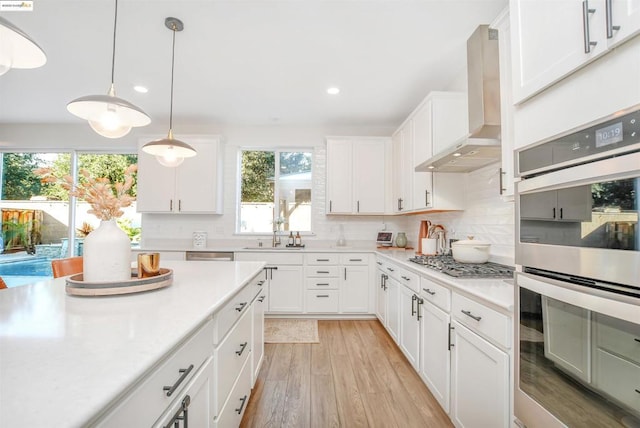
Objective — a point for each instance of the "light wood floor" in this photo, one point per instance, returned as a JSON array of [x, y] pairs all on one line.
[[355, 377]]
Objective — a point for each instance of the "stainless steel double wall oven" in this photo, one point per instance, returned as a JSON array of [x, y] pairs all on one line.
[[578, 287]]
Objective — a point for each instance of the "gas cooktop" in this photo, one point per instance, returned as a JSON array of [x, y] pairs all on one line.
[[446, 264]]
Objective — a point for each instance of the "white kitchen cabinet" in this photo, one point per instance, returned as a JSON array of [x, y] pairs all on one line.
[[193, 187], [356, 175], [567, 337], [381, 293], [402, 170], [354, 283], [503, 25], [435, 361], [257, 331], [552, 39], [410, 315], [284, 276], [479, 381], [449, 121], [193, 408], [393, 308]]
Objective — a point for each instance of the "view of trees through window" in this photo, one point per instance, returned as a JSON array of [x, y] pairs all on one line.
[[36, 216], [275, 191]]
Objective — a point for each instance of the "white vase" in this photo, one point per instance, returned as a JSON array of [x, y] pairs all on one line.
[[106, 255]]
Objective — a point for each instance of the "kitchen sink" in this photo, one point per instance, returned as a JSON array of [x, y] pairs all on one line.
[[273, 248]]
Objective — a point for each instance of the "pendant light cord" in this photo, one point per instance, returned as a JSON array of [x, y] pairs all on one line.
[[113, 51], [173, 55]]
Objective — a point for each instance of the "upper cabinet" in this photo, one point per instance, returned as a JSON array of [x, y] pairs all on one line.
[[194, 187], [551, 39], [356, 168], [438, 122]]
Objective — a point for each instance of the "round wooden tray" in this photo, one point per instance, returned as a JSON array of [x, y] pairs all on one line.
[[78, 287]]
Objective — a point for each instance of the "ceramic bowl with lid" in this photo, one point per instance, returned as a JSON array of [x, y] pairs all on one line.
[[470, 251]]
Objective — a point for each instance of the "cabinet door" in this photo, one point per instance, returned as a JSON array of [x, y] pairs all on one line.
[[339, 177], [450, 118], [479, 381], [381, 297], [393, 308], [549, 41], [567, 337], [285, 289], [196, 399], [626, 15], [156, 184], [198, 180], [422, 150], [398, 178], [354, 289], [408, 164], [435, 361], [409, 326], [368, 177], [257, 333]]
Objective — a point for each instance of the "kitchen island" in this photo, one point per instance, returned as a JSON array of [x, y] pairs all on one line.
[[67, 361]]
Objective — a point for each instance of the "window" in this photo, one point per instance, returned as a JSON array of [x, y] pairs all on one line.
[[275, 191]]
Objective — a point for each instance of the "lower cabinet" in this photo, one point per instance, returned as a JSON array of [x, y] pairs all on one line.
[[381, 296], [479, 381], [355, 283], [435, 361], [235, 406], [257, 333], [285, 289], [410, 325], [393, 308], [193, 408]]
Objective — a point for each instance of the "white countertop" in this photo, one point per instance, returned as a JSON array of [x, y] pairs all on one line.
[[63, 359], [497, 293]]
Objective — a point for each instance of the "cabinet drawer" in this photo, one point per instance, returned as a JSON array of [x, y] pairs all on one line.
[[322, 283], [321, 259], [392, 270], [321, 272], [234, 408], [354, 259], [149, 400], [435, 293], [278, 257], [485, 321], [409, 279], [229, 358], [322, 301], [233, 310], [618, 336], [618, 378]]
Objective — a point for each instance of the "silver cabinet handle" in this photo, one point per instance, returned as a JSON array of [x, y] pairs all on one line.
[[322, 284], [426, 198], [322, 260], [171, 389], [413, 304], [240, 306], [184, 417], [470, 315], [391, 270], [379, 263], [610, 27], [420, 302], [330, 206], [261, 299], [449, 344], [355, 260], [171, 205], [429, 291], [358, 206], [242, 348], [588, 44], [243, 400], [179, 204], [636, 339], [501, 174], [322, 295]]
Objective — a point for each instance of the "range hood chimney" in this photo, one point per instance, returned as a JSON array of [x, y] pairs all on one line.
[[482, 145]]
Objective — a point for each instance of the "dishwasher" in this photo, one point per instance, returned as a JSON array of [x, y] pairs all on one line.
[[210, 256]]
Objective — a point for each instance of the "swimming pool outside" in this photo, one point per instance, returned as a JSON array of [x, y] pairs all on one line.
[[24, 269]]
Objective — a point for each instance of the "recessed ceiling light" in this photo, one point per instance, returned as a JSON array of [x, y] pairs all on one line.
[[457, 154], [333, 91], [141, 89]]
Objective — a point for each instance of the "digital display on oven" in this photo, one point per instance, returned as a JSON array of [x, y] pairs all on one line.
[[609, 135]]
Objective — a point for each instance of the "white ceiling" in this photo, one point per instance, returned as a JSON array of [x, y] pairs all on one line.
[[246, 62]]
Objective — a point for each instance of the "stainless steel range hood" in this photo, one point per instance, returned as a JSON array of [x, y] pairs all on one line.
[[482, 146]]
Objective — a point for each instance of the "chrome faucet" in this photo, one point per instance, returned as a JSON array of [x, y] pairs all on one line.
[[276, 239]]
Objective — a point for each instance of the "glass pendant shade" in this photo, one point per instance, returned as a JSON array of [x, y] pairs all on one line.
[[17, 50]]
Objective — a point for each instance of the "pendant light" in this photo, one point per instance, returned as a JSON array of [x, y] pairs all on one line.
[[169, 151], [108, 115], [17, 50]]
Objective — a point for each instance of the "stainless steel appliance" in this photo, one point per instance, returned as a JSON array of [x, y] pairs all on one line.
[[446, 264], [210, 256], [577, 323]]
